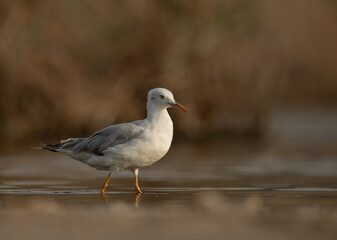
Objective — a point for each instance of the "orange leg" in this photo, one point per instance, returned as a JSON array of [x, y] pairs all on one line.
[[136, 182], [105, 184]]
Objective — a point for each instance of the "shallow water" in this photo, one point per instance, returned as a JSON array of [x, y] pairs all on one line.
[[203, 188]]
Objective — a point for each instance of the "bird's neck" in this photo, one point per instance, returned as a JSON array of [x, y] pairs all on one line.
[[157, 113]]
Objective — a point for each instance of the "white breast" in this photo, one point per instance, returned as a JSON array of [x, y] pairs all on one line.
[[150, 147]]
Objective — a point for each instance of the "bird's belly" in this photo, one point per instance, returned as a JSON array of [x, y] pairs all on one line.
[[137, 154]]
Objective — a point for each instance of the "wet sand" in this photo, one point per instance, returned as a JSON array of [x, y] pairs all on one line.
[[217, 193]]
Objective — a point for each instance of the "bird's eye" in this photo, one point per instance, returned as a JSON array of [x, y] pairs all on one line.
[[162, 97]]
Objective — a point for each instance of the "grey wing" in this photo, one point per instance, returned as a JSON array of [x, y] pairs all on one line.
[[107, 137]]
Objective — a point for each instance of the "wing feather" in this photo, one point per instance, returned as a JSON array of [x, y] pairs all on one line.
[[105, 138]]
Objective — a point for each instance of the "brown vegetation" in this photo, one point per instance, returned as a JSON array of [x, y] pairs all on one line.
[[71, 67]]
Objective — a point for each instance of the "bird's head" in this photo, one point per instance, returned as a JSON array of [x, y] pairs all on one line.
[[163, 98]]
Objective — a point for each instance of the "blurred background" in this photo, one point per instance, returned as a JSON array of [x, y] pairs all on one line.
[[255, 157], [244, 69]]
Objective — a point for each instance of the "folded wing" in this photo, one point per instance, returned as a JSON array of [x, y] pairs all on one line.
[[105, 138]]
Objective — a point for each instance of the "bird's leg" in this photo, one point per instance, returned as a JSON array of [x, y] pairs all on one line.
[[135, 172], [105, 184]]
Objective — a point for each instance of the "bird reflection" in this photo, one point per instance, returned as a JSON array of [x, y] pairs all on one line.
[[137, 199]]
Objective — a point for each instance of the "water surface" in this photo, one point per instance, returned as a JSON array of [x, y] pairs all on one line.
[[207, 187]]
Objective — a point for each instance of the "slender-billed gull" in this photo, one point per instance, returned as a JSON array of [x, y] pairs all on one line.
[[126, 146]]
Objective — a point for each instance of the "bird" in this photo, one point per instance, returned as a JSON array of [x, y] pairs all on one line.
[[126, 146]]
